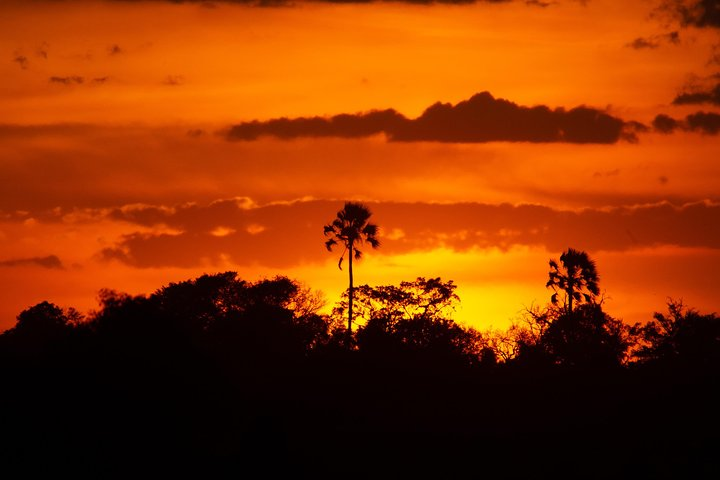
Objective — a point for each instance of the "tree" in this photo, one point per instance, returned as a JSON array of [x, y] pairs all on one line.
[[683, 335], [41, 328], [576, 276], [422, 297], [587, 338], [408, 323], [351, 229]]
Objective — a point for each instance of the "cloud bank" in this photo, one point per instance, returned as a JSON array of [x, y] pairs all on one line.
[[286, 234], [482, 118]]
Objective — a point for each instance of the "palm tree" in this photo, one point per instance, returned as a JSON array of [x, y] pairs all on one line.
[[577, 277], [351, 229]]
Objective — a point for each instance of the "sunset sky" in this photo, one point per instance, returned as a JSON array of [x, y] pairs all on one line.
[[146, 142]]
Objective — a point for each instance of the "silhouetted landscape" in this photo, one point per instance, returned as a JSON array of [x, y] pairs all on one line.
[[219, 377], [359, 239]]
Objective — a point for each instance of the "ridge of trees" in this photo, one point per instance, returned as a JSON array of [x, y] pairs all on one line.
[[218, 376], [282, 317]]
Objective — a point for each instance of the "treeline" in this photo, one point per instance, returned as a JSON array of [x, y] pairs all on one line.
[[218, 377]]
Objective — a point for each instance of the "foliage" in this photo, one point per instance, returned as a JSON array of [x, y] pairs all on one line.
[[682, 335], [411, 319], [351, 228], [585, 337], [576, 276], [430, 298]]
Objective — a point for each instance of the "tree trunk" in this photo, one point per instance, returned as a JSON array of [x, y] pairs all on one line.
[[350, 293]]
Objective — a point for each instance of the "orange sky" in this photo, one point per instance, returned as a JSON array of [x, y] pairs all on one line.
[[117, 169]]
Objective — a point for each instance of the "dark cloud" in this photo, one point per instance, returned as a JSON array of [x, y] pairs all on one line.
[[697, 13], [280, 3], [640, 43], [42, 50], [538, 3], [21, 60], [78, 80], [51, 261], [344, 126], [609, 173], [70, 80], [711, 96], [114, 50], [245, 234], [195, 132], [655, 41], [665, 124], [174, 80], [482, 118], [702, 122], [705, 122]]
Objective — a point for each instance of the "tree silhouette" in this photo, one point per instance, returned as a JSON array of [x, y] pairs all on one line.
[[682, 335], [422, 297], [576, 276], [351, 228]]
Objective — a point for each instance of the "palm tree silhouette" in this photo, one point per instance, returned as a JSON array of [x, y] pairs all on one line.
[[350, 229], [577, 277]]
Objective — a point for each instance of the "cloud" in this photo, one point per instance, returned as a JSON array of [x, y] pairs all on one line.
[[174, 80], [655, 41], [78, 80], [665, 124], [711, 96], [286, 234], [702, 122], [51, 261], [538, 3], [70, 80], [42, 50], [705, 122], [696, 13], [21, 60], [482, 118], [280, 3], [114, 49]]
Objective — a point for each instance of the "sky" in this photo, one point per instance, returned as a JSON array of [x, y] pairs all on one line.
[[147, 142]]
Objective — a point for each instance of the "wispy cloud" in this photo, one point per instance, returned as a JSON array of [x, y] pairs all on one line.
[[69, 80], [22, 61], [50, 261], [655, 41], [699, 96]]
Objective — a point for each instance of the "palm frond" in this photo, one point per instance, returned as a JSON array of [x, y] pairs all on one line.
[[370, 230]]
